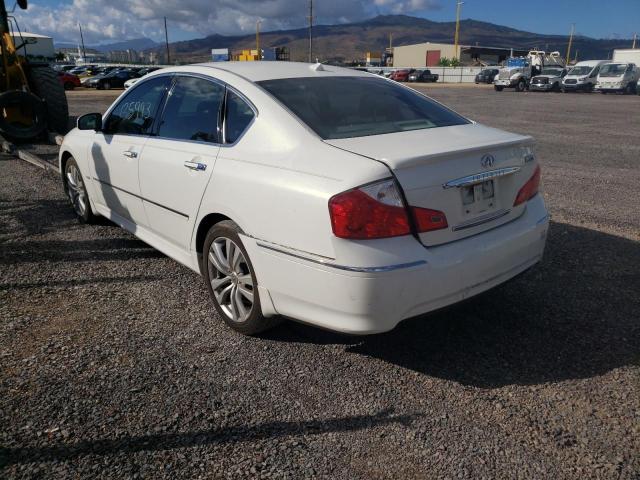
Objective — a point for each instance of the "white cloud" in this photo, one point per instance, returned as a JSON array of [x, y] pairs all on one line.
[[115, 20]]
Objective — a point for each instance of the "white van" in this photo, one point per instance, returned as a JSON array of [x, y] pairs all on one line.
[[583, 76], [618, 77]]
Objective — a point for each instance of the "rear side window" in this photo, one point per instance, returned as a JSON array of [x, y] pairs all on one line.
[[192, 110], [237, 117], [135, 113], [346, 107]]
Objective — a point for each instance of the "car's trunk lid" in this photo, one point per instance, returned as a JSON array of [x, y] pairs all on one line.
[[472, 173]]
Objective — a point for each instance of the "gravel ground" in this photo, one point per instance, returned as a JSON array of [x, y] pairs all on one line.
[[114, 364]]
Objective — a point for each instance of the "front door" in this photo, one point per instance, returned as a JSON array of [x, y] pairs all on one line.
[[178, 162], [117, 151]]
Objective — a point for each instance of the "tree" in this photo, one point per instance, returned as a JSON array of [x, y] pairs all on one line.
[[60, 56]]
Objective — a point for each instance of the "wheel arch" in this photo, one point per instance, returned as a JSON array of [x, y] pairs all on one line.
[[203, 228], [65, 155]]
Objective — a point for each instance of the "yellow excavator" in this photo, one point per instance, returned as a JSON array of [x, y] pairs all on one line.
[[32, 100]]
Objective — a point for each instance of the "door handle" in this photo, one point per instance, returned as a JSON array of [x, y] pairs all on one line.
[[195, 165], [130, 154]]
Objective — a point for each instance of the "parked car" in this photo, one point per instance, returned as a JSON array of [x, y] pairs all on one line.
[[548, 80], [487, 75], [142, 73], [618, 78], [91, 81], [115, 79], [68, 80], [583, 76], [401, 75], [423, 76], [310, 192]]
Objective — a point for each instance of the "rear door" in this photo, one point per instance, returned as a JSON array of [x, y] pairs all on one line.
[[179, 161]]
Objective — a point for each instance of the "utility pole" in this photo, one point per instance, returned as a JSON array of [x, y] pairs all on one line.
[[635, 36], [573, 29], [391, 41], [258, 39], [166, 40], [310, 31], [457, 36], [84, 53]]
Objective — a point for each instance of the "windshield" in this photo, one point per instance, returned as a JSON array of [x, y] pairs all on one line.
[[613, 69], [551, 71], [583, 70], [346, 107]]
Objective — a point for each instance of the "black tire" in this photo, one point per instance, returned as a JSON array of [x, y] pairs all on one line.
[[45, 84], [26, 101], [498, 88], [229, 278], [76, 190], [521, 86], [69, 86], [628, 90]]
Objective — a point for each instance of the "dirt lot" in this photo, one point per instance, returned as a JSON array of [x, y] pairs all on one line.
[[114, 364]]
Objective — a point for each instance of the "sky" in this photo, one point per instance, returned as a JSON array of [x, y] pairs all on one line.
[[115, 20]]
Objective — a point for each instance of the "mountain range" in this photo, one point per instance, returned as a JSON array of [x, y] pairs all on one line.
[[349, 42]]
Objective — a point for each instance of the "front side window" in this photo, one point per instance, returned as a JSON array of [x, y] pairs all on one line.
[[192, 110], [346, 107], [135, 113], [237, 117]]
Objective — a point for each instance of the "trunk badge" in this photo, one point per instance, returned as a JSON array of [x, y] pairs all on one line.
[[487, 161]]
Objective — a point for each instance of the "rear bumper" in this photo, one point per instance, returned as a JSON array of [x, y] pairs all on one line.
[[426, 279]]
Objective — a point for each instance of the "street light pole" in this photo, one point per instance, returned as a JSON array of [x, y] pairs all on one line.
[[84, 53], [573, 28], [310, 31], [457, 36], [258, 39], [166, 40]]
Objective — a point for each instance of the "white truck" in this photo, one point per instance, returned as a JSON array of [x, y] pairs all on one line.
[[617, 77], [518, 71]]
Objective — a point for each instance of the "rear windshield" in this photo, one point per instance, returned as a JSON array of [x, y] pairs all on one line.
[[346, 107]]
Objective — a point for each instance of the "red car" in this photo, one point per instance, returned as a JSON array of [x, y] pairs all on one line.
[[68, 80], [401, 75]]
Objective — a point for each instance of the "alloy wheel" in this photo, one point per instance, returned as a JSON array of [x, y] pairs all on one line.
[[76, 191], [231, 279]]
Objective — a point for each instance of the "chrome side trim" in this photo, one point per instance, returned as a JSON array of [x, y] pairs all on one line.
[[386, 268], [480, 177], [480, 220]]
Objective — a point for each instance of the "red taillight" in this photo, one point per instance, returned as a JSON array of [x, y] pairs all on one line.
[[529, 189], [377, 211], [356, 215], [428, 220]]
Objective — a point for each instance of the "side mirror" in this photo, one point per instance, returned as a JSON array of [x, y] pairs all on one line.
[[22, 4], [90, 121]]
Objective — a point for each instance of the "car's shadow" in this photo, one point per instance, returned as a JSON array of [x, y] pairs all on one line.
[[576, 315]]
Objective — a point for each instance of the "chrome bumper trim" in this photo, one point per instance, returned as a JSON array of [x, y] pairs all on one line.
[[479, 221], [385, 268], [480, 177]]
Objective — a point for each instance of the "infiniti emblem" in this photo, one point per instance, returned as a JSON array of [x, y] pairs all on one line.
[[487, 160]]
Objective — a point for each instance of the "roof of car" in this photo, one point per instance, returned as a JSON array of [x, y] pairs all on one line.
[[270, 70]]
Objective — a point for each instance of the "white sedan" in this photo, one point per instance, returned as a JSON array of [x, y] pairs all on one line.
[[129, 83], [327, 195]]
